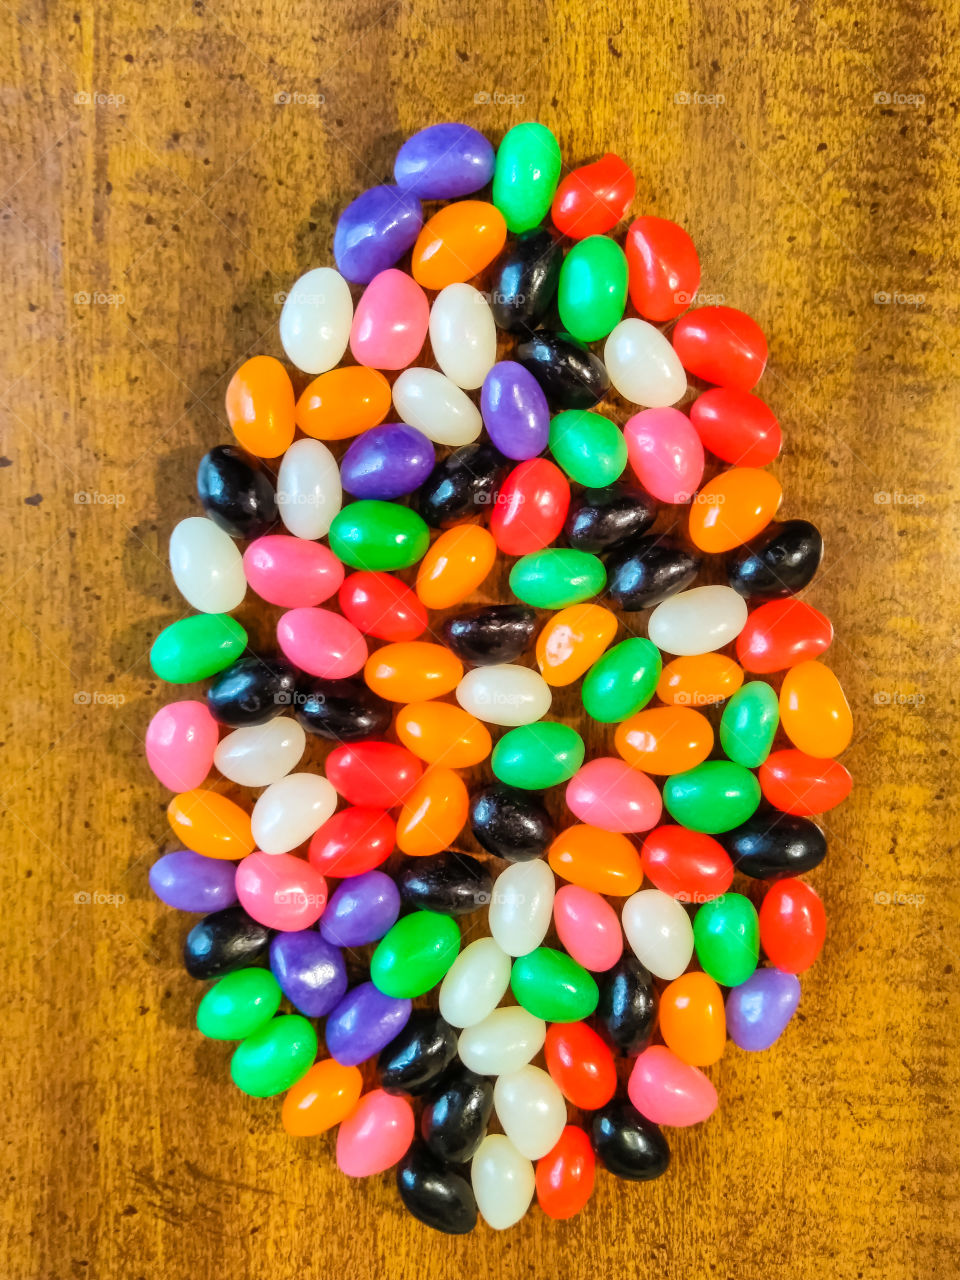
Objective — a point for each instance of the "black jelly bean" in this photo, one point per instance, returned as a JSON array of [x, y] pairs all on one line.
[[224, 941], [491, 633], [601, 519], [237, 492], [510, 823], [627, 1008], [462, 485], [455, 1119], [525, 280], [452, 883], [648, 571], [414, 1060], [341, 710], [571, 376], [779, 562], [438, 1197], [627, 1144], [772, 844], [252, 691]]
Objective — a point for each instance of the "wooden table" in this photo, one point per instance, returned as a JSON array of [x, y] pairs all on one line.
[[170, 169]]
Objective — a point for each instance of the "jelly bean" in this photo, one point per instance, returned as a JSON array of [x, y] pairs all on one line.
[[413, 957], [356, 839], [462, 485], [291, 572], [813, 710], [288, 812], [251, 691], [260, 407], [321, 643], [531, 1110], [526, 174], [699, 680], [275, 1057], [236, 492], [782, 633], [223, 942], [778, 562], [206, 566], [310, 971], [515, 411], [382, 606], [588, 928], [452, 883], [504, 694], [530, 508], [525, 280], [521, 907], [180, 744], [648, 571], [457, 243], [552, 986], [502, 1042], [590, 448], [415, 1059], [503, 1182], [659, 932], [565, 1175], [665, 453], [609, 794], [627, 1144], [727, 938], [792, 925], [210, 824], [373, 773], [375, 231], [664, 268], [692, 1019], [715, 796], [443, 734], [341, 710], [665, 740], [387, 462], [800, 784], [592, 292], [748, 725], [309, 492], [593, 198], [444, 161], [412, 670], [455, 566], [536, 756], [510, 823], [429, 401], [321, 1099], [697, 621], [572, 641], [571, 376], [688, 865], [627, 1008], [623, 681], [581, 1065], [363, 1023], [733, 508], [257, 755], [188, 881], [463, 335], [375, 1136], [455, 1120], [343, 402], [315, 320], [475, 983], [360, 910], [771, 845], [669, 1091], [736, 427], [643, 366], [721, 345], [760, 1008], [604, 861], [602, 519], [557, 577], [436, 1195], [280, 890], [495, 633], [378, 535], [391, 323], [433, 814]]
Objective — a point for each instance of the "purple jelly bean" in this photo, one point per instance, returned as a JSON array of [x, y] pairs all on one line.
[[311, 973], [444, 161], [191, 882], [361, 910], [515, 411], [387, 462], [375, 231], [760, 1008], [363, 1022]]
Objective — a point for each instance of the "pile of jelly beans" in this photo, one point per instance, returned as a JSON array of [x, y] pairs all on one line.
[[701, 666]]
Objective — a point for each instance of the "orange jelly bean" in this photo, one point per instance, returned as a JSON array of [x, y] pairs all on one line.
[[441, 733], [604, 861], [320, 1099], [693, 1021], [455, 565], [699, 681], [457, 243], [665, 739], [433, 814], [814, 713], [211, 824], [572, 641], [733, 507], [343, 402], [260, 407], [412, 670]]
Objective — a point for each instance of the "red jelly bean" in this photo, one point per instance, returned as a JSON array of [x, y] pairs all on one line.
[[781, 634], [353, 841], [721, 345], [580, 1064], [565, 1175], [380, 605], [736, 427], [530, 508], [664, 268], [593, 198], [797, 783], [793, 925], [688, 865], [373, 773]]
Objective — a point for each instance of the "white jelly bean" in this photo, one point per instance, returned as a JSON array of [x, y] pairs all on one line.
[[643, 366], [291, 810], [475, 983], [659, 932], [259, 754], [427, 400], [505, 694], [506, 1040], [463, 335], [697, 621], [207, 566], [503, 1182], [521, 905], [315, 320], [308, 489], [531, 1109]]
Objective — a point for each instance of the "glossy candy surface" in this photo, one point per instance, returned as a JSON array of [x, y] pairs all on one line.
[[602, 519], [429, 401], [503, 1182], [311, 972], [414, 1060], [669, 1091], [771, 845], [515, 411], [280, 890], [648, 571], [535, 756], [526, 175], [387, 462], [732, 508], [211, 824], [190, 882], [589, 447], [309, 493], [463, 335], [603, 861], [378, 535], [341, 710], [581, 1065], [736, 427], [592, 291], [363, 1022], [454, 1121], [565, 1175], [521, 906], [688, 865], [354, 841], [659, 932], [778, 562], [224, 941], [782, 633], [665, 740], [572, 641], [792, 925], [622, 681], [360, 910], [571, 376], [800, 784], [252, 691], [321, 643], [627, 1008], [643, 366], [412, 670], [452, 883], [375, 1136], [510, 823], [552, 986], [721, 345], [665, 454], [343, 402], [390, 326], [627, 1144], [593, 198], [530, 507], [748, 725], [461, 485], [206, 566], [434, 1194], [474, 984], [274, 1057], [697, 621], [664, 268], [727, 938], [557, 577], [290, 571], [531, 1110], [699, 680], [587, 927], [180, 744], [288, 812], [455, 566], [525, 280], [321, 1099], [413, 957], [315, 320], [444, 161], [373, 773], [504, 694], [717, 795], [490, 634], [260, 407], [608, 794], [440, 733], [502, 1042], [759, 1010], [692, 1019], [375, 231], [457, 243], [380, 605], [434, 813], [196, 648], [236, 492], [813, 710]]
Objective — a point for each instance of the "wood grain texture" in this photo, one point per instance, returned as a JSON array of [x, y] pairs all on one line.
[[156, 197]]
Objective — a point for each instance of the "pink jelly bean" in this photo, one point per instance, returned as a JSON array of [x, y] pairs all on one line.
[[666, 453], [375, 1135], [390, 322], [321, 643], [291, 572], [281, 890], [607, 793], [180, 742], [588, 927], [668, 1090]]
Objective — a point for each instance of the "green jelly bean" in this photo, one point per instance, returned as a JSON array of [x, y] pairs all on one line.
[[622, 681], [198, 647], [552, 986], [592, 292], [275, 1057], [556, 577], [413, 956], [239, 1004], [526, 175], [589, 447], [749, 722], [371, 534], [726, 935], [538, 755], [715, 796]]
